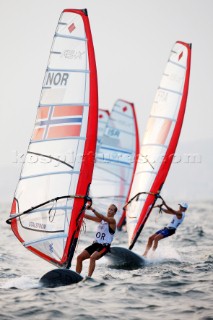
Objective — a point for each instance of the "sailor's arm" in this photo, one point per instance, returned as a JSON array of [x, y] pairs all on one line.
[[172, 211], [87, 216], [169, 210], [110, 220]]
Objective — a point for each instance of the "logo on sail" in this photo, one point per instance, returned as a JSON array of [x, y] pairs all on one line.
[[37, 225], [73, 54], [71, 28], [180, 56]]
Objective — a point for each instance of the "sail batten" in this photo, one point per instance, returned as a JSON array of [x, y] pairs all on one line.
[[177, 64], [49, 208], [123, 150], [64, 104], [30, 243], [69, 37], [125, 115], [67, 70], [161, 117], [113, 161], [49, 174], [171, 91]]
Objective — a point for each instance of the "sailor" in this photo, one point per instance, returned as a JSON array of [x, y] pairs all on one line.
[[103, 239], [170, 229]]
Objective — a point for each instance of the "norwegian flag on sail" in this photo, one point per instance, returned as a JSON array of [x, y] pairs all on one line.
[[57, 122]]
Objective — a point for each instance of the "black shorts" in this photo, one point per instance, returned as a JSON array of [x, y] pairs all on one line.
[[102, 248]]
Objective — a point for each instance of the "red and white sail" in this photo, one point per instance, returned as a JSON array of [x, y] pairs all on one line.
[[116, 159], [160, 138], [60, 156]]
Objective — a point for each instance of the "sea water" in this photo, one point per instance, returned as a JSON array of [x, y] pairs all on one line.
[[175, 283]]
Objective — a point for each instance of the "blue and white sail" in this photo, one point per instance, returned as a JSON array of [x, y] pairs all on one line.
[[116, 159]]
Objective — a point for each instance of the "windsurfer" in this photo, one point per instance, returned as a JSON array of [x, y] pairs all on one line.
[[169, 230], [104, 236]]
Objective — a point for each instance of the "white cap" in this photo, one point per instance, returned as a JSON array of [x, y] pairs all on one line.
[[184, 205]]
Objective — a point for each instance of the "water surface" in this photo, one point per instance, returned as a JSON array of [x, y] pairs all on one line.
[[176, 283]]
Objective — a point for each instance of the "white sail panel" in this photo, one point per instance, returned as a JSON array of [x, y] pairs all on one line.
[[74, 59], [68, 65], [58, 91], [71, 25]]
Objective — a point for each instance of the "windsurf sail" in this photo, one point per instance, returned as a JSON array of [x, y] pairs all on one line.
[[116, 159], [160, 139], [50, 197]]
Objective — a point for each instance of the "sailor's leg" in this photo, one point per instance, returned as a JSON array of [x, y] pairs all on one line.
[[83, 256], [158, 238], [95, 256], [149, 244]]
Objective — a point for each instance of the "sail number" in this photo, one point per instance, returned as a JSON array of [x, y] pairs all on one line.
[[114, 133], [57, 78]]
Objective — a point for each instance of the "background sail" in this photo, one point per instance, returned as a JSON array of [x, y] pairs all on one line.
[[116, 159], [60, 156], [160, 138], [103, 117]]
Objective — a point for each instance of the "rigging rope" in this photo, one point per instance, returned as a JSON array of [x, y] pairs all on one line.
[[51, 218]]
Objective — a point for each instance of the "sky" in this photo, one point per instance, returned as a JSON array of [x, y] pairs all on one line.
[[132, 40]]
